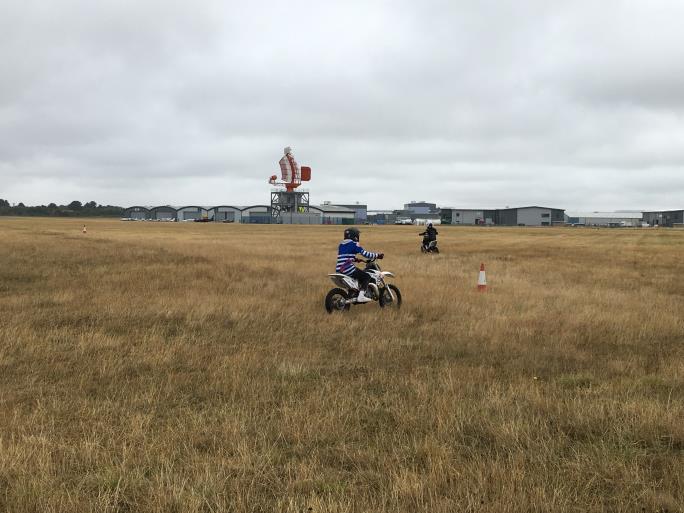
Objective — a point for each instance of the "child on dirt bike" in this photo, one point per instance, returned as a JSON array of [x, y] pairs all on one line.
[[346, 256], [429, 235]]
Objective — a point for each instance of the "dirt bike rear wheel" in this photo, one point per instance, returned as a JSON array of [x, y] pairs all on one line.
[[386, 300], [336, 301]]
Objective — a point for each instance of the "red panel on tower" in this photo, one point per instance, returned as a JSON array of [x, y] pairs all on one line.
[[306, 173]]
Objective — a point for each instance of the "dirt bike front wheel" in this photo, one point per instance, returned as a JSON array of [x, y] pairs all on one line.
[[386, 299], [336, 301]]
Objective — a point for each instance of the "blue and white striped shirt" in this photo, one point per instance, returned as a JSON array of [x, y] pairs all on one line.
[[346, 253]]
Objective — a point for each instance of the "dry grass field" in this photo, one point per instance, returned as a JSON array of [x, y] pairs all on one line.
[[186, 367]]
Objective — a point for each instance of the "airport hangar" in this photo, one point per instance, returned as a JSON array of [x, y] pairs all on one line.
[[254, 214]]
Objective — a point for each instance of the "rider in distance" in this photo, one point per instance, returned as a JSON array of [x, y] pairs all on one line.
[[429, 235]]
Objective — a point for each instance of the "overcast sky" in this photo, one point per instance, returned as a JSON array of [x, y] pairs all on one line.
[[577, 105]]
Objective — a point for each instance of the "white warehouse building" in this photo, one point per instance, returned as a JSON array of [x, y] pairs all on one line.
[[610, 219]]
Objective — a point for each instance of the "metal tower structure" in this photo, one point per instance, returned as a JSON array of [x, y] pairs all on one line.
[[284, 202]]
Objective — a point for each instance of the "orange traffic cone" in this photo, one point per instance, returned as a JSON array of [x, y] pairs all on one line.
[[482, 280], [84, 229]]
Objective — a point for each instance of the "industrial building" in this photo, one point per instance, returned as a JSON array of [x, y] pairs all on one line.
[[191, 213], [311, 216], [381, 217], [334, 214], [360, 211], [669, 218], [320, 214], [417, 212], [164, 213], [607, 219], [226, 214], [421, 207], [137, 213], [520, 216], [467, 216], [254, 214], [530, 216]]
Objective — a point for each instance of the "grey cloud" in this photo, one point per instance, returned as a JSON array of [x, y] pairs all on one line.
[[486, 103]]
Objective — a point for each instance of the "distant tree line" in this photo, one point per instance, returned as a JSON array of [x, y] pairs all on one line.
[[73, 209]]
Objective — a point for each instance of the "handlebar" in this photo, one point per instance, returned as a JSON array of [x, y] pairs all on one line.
[[367, 261]]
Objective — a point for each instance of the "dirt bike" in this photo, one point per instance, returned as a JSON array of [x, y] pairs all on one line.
[[345, 294], [431, 247]]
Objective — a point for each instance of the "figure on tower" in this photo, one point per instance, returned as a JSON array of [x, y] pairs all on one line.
[[292, 175], [286, 201]]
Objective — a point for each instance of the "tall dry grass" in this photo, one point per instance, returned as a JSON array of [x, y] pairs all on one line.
[[149, 367]]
